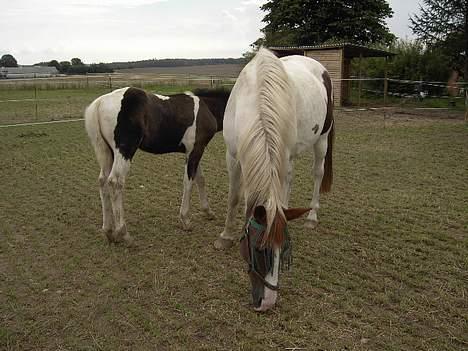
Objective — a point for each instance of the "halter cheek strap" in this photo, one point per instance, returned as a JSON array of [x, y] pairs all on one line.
[[259, 227]]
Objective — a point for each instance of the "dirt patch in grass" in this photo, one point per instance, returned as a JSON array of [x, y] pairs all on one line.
[[385, 270]]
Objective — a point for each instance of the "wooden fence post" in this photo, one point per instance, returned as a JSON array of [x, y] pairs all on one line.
[[386, 82], [35, 96]]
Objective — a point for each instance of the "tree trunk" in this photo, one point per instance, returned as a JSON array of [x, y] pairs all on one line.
[[465, 73], [466, 42]]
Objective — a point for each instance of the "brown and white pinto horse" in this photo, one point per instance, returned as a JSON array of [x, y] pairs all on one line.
[[128, 119], [278, 109]]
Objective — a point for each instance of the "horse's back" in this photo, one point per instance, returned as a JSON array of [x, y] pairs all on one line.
[[308, 80], [242, 102], [308, 93]]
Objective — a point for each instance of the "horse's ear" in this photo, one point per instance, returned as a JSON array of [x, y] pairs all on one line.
[[293, 213], [260, 214]]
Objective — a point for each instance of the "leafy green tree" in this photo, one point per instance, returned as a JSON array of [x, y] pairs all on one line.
[[76, 62], [312, 22], [54, 63], [8, 61], [413, 61], [443, 24], [99, 68], [65, 66]]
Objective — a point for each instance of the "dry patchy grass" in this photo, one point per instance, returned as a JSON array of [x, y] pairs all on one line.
[[385, 270]]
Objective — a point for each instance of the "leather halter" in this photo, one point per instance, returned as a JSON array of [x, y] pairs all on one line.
[[251, 262]]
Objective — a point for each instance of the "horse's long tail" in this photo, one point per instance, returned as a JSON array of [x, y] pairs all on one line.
[[327, 180]]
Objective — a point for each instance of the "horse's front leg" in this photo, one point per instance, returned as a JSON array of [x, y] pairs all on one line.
[[185, 205], [230, 233]]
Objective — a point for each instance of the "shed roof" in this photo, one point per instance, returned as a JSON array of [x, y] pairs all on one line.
[[350, 50]]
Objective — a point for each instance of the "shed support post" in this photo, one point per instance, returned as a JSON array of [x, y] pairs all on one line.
[[360, 81]]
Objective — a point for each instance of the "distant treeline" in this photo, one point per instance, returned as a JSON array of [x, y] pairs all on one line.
[[76, 66], [175, 63]]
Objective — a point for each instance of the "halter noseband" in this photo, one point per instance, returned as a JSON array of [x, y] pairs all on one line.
[[285, 253]]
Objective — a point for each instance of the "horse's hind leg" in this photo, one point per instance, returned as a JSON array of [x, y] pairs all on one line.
[[288, 185], [229, 234], [193, 172], [105, 160], [200, 181], [117, 177], [320, 150]]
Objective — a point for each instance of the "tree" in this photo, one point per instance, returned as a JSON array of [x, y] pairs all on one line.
[[312, 22], [76, 61], [54, 63], [443, 24], [413, 61], [8, 61], [64, 66]]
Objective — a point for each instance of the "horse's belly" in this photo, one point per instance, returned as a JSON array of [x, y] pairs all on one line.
[[163, 143]]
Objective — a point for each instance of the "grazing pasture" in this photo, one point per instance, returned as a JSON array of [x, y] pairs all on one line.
[[386, 269]]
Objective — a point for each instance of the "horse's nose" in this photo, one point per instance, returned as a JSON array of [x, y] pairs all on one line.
[[268, 301], [264, 306]]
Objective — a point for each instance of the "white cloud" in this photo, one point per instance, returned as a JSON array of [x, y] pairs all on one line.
[[253, 2], [230, 16], [111, 30]]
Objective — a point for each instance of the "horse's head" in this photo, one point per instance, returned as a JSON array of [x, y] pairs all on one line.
[[265, 253]]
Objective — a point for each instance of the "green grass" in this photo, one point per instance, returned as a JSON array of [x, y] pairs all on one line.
[[385, 270]]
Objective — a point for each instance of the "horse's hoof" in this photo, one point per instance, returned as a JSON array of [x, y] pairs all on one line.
[[109, 235], [223, 244], [129, 241], [121, 235], [310, 224], [187, 226], [209, 215], [186, 222]]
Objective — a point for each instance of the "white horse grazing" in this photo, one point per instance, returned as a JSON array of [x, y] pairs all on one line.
[[278, 109]]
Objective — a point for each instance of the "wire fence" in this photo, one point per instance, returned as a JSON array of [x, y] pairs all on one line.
[[59, 98], [62, 98], [374, 92]]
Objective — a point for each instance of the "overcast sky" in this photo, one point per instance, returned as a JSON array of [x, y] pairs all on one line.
[[127, 30]]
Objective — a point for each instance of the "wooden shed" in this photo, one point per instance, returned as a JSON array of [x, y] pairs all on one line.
[[337, 60]]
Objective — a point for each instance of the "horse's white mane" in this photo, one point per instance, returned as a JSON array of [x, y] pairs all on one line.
[[263, 149]]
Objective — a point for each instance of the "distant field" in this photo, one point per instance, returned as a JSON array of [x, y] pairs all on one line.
[[386, 269], [227, 70]]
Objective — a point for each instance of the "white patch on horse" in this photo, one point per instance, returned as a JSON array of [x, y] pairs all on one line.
[[162, 97], [269, 298], [189, 136], [109, 108]]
